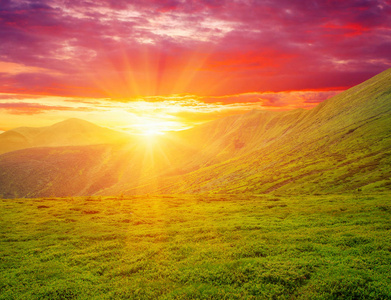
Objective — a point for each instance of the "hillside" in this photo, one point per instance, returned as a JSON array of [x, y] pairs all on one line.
[[49, 171], [342, 145], [12, 140], [89, 169], [239, 134], [71, 132]]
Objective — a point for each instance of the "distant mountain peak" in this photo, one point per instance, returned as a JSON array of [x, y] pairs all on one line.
[[74, 121], [69, 132], [77, 120]]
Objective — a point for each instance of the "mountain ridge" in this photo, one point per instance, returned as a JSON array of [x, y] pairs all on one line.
[[342, 145], [358, 126], [69, 132]]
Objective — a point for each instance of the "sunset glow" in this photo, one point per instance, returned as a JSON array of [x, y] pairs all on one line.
[[146, 115], [148, 67]]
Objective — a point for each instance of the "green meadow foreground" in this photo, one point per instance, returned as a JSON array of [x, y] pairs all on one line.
[[196, 247]]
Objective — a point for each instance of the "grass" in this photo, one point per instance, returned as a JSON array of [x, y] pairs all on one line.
[[196, 247]]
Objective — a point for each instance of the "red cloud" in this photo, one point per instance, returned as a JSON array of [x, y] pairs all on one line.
[[33, 109], [121, 49]]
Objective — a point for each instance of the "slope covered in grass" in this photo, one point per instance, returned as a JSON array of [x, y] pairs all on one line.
[[239, 134], [57, 171], [86, 170], [344, 144], [196, 247]]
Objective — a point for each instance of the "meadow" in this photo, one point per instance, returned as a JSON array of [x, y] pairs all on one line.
[[197, 247]]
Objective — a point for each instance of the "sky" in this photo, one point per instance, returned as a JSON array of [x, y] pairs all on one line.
[[155, 66]]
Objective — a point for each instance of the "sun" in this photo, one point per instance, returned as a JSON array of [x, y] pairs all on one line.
[[154, 124], [151, 127], [146, 119], [151, 132]]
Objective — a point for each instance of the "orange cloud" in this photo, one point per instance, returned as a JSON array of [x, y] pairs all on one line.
[[171, 112], [33, 108]]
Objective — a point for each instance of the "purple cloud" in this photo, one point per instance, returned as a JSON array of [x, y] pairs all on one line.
[[110, 48]]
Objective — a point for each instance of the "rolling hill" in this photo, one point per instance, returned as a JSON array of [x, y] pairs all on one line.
[[70, 132], [342, 145], [89, 169]]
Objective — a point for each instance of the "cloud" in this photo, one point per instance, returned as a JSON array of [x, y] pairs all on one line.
[[123, 49], [33, 108], [170, 112]]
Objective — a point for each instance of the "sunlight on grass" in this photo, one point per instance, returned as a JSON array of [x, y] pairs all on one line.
[[196, 247]]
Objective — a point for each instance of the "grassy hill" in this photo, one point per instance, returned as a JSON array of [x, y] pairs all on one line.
[[239, 134], [49, 171], [87, 170], [344, 144]]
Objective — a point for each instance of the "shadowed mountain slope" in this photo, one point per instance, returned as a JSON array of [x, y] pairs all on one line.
[[59, 171], [87, 170]]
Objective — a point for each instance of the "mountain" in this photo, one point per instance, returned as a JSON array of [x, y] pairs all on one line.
[[90, 169], [342, 145], [12, 140], [240, 134], [70, 132], [58, 171]]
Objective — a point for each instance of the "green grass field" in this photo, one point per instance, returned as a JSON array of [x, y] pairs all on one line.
[[196, 247]]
